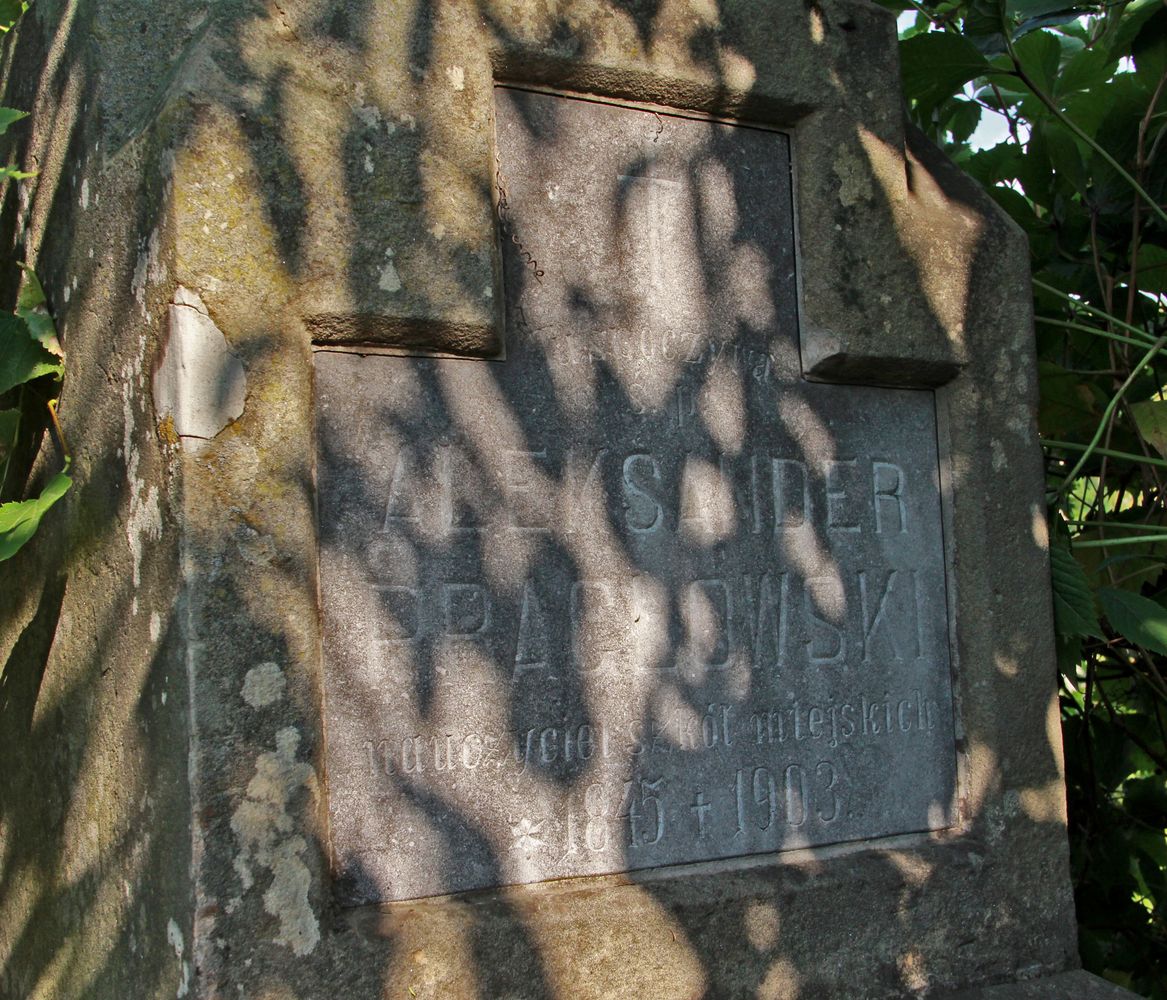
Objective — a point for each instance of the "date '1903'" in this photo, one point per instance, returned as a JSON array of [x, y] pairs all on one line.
[[758, 802]]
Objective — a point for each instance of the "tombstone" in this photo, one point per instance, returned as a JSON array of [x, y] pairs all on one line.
[[559, 513]]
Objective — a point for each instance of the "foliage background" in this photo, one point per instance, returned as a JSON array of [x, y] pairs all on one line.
[[32, 365], [1081, 165]]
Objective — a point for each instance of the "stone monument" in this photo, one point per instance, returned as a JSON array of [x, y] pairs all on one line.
[[559, 514]]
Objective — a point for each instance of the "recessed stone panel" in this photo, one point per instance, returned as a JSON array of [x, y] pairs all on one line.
[[638, 595]]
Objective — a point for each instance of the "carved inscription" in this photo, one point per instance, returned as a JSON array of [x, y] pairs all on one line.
[[638, 596]]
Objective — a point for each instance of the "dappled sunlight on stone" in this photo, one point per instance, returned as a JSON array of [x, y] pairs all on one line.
[[809, 429], [1040, 528], [762, 924], [722, 406], [781, 982], [913, 971], [618, 663], [1045, 805], [707, 512], [1006, 665], [939, 233], [915, 870], [592, 966]]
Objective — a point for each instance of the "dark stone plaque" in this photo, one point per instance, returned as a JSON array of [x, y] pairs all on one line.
[[638, 595]]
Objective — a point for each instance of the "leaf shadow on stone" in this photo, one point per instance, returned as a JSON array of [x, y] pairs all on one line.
[[58, 875], [754, 954], [285, 197]]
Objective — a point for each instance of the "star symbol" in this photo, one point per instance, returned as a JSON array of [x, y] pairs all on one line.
[[524, 833]]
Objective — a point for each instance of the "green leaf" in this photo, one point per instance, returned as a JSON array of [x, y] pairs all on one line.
[[1040, 54], [9, 115], [10, 11], [964, 120], [1035, 171], [1023, 10], [1090, 68], [1074, 612], [30, 307], [1055, 20], [985, 24], [1087, 108], [11, 173], [21, 357], [1149, 47], [19, 521], [937, 65], [32, 293], [1069, 652], [1151, 418], [1152, 272], [1138, 618], [1067, 405], [1064, 155], [1119, 40], [42, 329]]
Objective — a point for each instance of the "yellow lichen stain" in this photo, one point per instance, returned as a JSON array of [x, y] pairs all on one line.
[[166, 432]]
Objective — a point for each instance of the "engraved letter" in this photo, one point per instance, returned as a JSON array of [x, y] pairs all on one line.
[[466, 607], [825, 770], [790, 512], [594, 641], [837, 492], [549, 745], [686, 405], [827, 592], [437, 744], [596, 830], [766, 616], [644, 513], [653, 800], [585, 742], [888, 487], [527, 504], [379, 756], [531, 647], [471, 751], [872, 622], [710, 619], [765, 794], [397, 506], [700, 807], [579, 490], [795, 796], [411, 747], [401, 616], [453, 513]]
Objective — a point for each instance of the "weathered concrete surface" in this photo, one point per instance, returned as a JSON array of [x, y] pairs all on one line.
[[326, 170], [1068, 986], [95, 842]]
